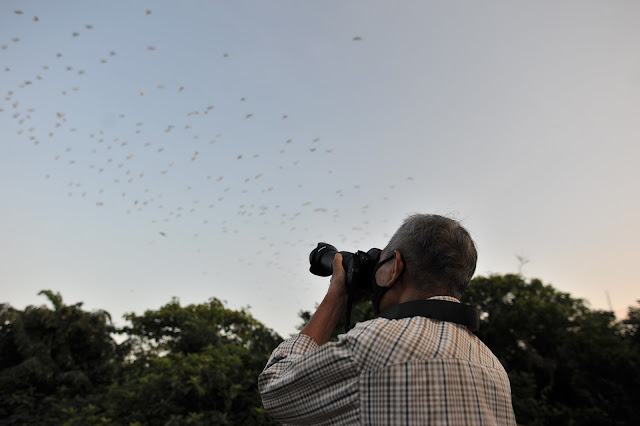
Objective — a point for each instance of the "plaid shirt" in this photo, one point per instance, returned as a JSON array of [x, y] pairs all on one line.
[[406, 371]]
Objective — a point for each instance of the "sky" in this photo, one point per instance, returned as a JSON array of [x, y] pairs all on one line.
[[151, 150]]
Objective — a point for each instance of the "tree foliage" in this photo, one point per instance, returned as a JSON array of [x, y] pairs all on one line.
[[196, 364], [567, 364], [48, 357]]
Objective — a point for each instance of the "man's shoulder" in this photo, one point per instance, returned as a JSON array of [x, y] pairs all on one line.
[[381, 342], [384, 329], [382, 338]]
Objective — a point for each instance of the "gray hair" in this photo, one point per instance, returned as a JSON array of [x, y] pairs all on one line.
[[439, 253]]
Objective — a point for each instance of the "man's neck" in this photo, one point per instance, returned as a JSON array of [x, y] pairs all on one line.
[[404, 291]]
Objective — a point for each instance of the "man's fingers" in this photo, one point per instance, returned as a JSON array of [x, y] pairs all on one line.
[[338, 276], [337, 263]]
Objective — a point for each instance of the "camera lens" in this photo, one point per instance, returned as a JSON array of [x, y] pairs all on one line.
[[321, 259]]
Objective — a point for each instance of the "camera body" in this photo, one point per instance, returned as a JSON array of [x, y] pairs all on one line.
[[358, 266]]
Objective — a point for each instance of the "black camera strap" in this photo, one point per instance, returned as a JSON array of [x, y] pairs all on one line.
[[443, 310], [347, 318]]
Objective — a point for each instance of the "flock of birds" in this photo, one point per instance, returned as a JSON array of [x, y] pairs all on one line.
[[187, 173]]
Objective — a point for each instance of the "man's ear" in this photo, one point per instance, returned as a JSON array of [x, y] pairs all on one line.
[[397, 266]]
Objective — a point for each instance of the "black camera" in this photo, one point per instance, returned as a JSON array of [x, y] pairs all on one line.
[[358, 266]]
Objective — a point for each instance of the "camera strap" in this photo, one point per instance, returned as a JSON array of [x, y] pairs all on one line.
[[443, 310], [347, 319]]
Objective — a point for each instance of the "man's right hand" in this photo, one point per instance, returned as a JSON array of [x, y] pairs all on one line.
[[332, 308]]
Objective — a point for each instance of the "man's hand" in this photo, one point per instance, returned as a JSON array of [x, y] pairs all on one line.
[[332, 308]]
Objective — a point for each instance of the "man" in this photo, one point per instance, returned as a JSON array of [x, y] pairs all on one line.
[[412, 370]]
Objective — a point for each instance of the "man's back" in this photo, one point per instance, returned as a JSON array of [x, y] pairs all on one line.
[[406, 371]]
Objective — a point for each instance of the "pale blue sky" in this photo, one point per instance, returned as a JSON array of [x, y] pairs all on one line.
[[152, 157]]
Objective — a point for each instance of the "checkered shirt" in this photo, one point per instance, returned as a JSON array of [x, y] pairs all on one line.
[[388, 372]]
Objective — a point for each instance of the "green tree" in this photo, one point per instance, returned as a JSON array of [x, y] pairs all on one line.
[[196, 364], [50, 357], [567, 364]]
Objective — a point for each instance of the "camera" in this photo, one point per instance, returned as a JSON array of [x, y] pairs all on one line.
[[358, 266]]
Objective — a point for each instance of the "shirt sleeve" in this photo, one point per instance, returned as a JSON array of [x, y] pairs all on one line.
[[308, 384]]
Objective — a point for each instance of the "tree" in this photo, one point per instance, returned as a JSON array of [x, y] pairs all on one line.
[[566, 363], [50, 356], [196, 364]]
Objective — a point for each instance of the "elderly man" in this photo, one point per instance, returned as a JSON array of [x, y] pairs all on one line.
[[413, 364]]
